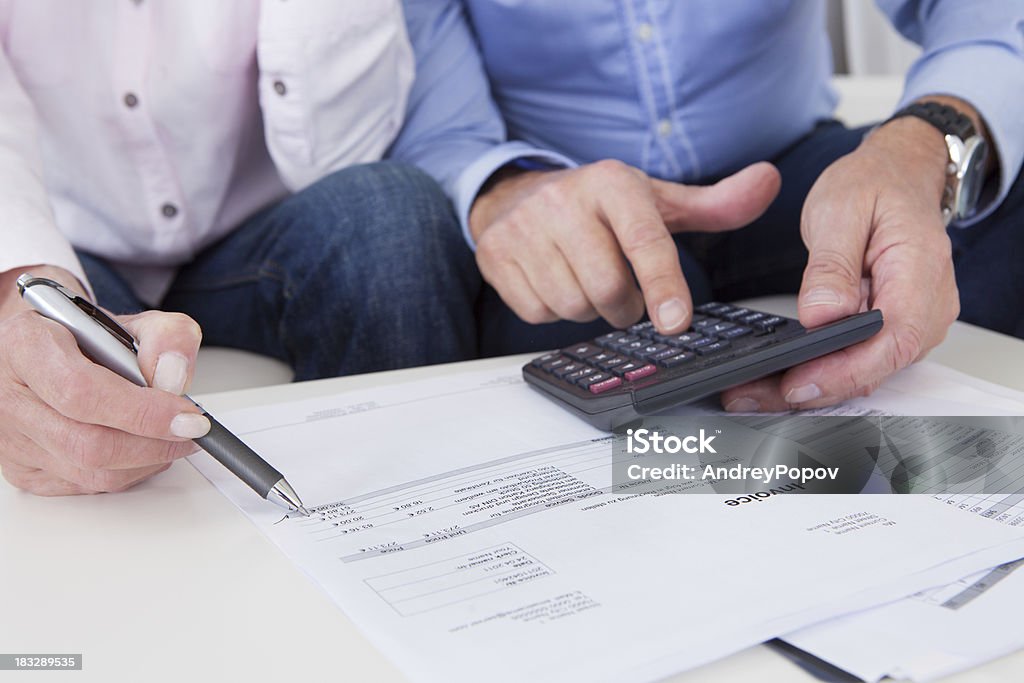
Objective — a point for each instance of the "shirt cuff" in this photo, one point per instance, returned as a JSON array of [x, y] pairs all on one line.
[[999, 99], [46, 248], [476, 174]]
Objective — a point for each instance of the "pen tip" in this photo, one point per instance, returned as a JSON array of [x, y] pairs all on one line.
[[283, 495]]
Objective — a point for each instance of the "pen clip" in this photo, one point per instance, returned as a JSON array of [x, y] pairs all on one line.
[[86, 306], [111, 325]]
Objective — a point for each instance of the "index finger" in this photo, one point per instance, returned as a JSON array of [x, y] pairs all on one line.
[[648, 245]]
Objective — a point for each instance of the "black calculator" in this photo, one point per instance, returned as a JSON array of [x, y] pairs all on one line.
[[624, 375]]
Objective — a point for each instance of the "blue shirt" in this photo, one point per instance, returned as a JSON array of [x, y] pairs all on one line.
[[685, 90]]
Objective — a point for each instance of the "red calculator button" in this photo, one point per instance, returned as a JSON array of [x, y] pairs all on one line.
[[601, 387], [640, 372]]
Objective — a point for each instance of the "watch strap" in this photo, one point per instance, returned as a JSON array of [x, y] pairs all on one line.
[[944, 117]]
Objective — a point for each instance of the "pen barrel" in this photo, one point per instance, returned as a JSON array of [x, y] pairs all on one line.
[[95, 341], [240, 460]]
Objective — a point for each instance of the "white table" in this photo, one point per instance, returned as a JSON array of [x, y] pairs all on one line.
[[169, 582]]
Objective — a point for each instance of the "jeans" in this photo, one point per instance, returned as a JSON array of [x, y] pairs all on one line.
[[364, 270], [768, 257]]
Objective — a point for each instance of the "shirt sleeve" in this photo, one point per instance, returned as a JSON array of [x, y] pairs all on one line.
[[30, 234], [974, 51], [453, 129]]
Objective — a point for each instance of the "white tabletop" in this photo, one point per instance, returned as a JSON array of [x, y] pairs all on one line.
[[169, 581]]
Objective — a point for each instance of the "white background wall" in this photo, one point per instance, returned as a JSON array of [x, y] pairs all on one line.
[[868, 44], [871, 59]]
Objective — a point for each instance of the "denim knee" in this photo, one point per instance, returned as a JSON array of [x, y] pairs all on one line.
[[379, 274], [112, 291], [393, 223]]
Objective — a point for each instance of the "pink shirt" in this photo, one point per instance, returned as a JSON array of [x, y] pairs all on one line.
[[143, 131]]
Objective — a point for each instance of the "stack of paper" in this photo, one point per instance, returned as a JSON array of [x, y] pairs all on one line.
[[467, 525], [936, 632]]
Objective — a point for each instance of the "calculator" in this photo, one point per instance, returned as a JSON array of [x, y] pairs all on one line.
[[624, 375]]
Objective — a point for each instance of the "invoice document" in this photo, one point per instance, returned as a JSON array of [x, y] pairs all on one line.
[[937, 632], [467, 525]]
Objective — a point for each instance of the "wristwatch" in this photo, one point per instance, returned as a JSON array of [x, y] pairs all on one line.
[[968, 154]]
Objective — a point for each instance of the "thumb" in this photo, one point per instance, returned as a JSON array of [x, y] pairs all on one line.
[[831, 287], [731, 203], [168, 345]]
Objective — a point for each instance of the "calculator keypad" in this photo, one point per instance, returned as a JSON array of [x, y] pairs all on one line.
[[616, 360]]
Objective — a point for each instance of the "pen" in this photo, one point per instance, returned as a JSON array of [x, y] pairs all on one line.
[[106, 343]]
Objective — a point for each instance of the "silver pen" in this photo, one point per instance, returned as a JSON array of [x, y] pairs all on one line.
[[106, 343]]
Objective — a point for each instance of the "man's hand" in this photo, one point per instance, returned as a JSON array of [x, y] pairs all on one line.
[[874, 231], [69, 426], [561, 244]]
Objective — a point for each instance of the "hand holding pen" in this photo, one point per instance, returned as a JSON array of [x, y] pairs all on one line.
[[69, 426]]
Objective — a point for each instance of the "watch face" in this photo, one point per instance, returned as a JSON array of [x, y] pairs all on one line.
[[972, 178]]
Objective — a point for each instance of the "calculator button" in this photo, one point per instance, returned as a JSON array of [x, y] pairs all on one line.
[[553, 365], [706, 322], [581, 351], [604, 385], [678, 359], [713, 348], [735, 332], [769, 324], [599, 358], [582, 373], [623, 341], [712, 307], [606, 339], [735, 314], [697, 343], [717, 329], [592, 378], [752, 318], [567, 369], [666, 353], [621, 370], [642, 329], [634, 348], [651, 349], [538, 362], [612, 362], [681, 340], [641, 372]]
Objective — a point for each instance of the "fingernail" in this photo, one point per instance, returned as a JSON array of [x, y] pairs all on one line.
[[807, 392], [171, 373], [744, 404], [820, 296], [671, 314], [190, 426]]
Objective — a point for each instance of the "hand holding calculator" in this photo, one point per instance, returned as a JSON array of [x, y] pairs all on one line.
[[623, 375]]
